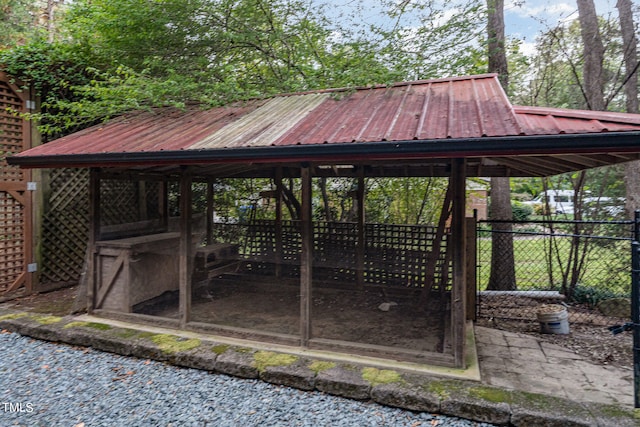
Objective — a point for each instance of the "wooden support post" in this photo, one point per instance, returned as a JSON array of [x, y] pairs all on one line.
[[94, 236], [360, 244], [185, 248], [163, 204], [279, 193], [471, 253], [306, 231], [210, 208], [459, 289]]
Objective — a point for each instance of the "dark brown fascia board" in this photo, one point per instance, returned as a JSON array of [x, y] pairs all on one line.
[[337, 153]]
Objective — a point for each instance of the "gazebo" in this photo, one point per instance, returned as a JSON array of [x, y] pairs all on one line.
[[400, 291]]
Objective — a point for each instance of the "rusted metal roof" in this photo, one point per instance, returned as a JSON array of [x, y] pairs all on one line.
[[456, 117]]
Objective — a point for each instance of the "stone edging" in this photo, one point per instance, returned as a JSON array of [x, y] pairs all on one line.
[[465, 399]]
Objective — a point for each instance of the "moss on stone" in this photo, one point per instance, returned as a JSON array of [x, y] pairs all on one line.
[[380, 376], [145, 334], [242, 350], [444, 388], [92, 325], [264, 359], [318, 366], [173, 344], [491, 394], [13, 316], [618, 412], [536, 400], [220, 348], [46, 320], [126, 333]]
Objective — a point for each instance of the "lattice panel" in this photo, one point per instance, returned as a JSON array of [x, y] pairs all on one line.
[[12, 229], [11, 132], [65, 226], [121, 202], [118, 202], [395, 255]]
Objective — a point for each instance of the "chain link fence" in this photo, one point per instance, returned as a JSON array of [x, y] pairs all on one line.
[[584, 265]]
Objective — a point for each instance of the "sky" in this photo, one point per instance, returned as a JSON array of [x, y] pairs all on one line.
[[525, 19]]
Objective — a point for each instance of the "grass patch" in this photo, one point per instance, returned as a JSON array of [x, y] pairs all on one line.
[[173, 344], [264, 359], [92, 325], [318, 366], [380, 376], [13, 316]]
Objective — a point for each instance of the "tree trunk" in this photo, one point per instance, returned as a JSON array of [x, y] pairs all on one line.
[[632, 169], [497, 53], [593, 51], [503, 275]]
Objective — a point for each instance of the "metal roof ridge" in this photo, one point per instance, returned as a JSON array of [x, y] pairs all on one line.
[[381, 85]]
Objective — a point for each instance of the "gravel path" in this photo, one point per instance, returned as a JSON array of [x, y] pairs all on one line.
[[45, 384]]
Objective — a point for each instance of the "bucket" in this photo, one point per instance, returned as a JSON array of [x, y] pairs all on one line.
[[554, 319]]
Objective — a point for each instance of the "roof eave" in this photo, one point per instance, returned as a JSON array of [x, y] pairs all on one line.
[[347, 152]]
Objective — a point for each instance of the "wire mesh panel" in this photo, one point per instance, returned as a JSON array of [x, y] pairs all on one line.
[[577, 263], [393, 255]]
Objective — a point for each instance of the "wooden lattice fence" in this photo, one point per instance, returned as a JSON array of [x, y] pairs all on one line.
[[394, 255], [15, 198], [65, 226]]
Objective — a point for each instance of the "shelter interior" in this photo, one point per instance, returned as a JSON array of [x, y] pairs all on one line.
[[265, 258]]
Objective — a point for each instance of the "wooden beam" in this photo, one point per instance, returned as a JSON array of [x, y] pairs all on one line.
[[360, 243], [185, 248], [279, 246], [306, 230], [20, 280], [210, 207], [94, 236], [459, 289]]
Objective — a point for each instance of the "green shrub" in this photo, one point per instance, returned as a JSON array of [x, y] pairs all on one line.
[[592, 295], [521, 212]]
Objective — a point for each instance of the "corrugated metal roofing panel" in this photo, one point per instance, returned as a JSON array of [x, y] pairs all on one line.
[[265, 125], [463, 108], [549, 121]]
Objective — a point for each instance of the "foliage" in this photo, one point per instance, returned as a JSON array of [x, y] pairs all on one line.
[[592, 295], [521, 212], [405, 201], [16, 21], [111, 58], [557, 68], [53, 71]]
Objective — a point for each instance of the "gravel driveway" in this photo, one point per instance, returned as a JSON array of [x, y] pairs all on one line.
[[45, 384]]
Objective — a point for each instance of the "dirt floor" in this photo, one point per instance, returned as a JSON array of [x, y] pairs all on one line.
[[593, 341], [337, 314]]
